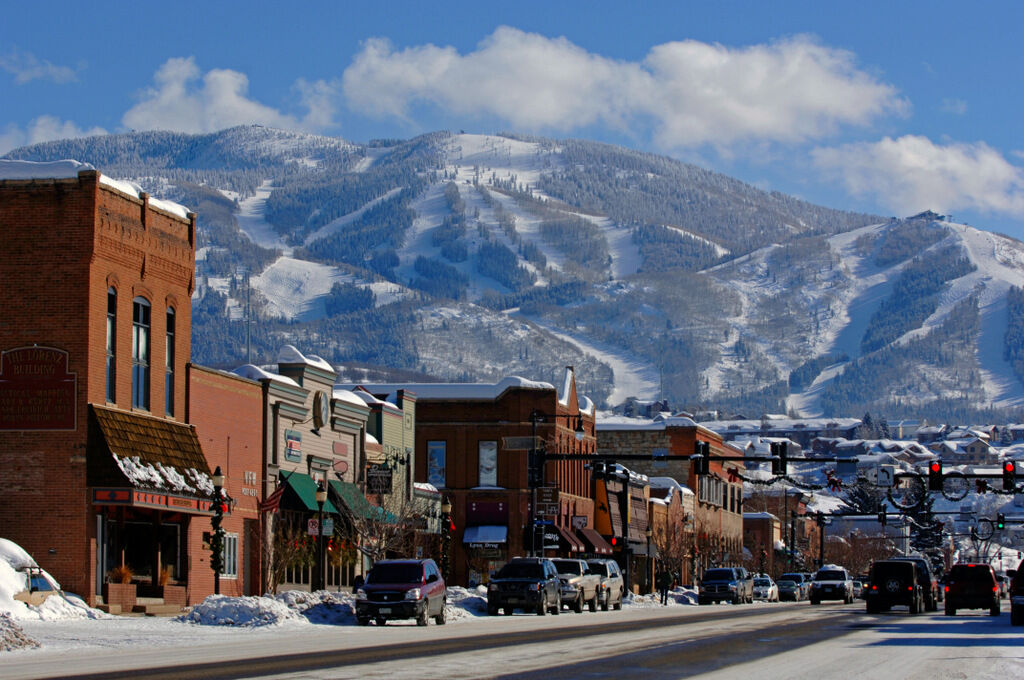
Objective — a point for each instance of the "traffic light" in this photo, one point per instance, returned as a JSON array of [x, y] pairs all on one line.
[[1009, 475], [1000, 521], [935, 475], [780, 453]]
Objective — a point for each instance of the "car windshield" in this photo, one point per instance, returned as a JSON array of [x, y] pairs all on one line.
[[521, 570], [568, 567], [395, 573], [762, 582], [718, 574], [830, 575]]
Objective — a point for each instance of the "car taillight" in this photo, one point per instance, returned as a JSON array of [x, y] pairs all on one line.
[[995, 589], [874, 587], [910, 588]]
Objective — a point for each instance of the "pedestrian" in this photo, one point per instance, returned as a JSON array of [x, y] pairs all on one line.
[[664, 582]]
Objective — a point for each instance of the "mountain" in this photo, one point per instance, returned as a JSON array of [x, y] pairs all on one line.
[[471, 257]]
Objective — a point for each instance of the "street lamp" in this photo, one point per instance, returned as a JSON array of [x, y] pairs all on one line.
[[321, 498], [650, 561], [217, 536], [446, 535]]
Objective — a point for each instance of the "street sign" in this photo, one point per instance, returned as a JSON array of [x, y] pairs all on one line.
[[328, 526], [547, 494], [579, 521], [313, 527], [547, 509], [520, 443]]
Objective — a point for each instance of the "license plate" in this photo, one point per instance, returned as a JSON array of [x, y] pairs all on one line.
[[384, 610]]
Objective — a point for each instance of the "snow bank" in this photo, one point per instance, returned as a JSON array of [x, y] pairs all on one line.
[[12, 636], [220, 610], [676, 596], [57, 607]]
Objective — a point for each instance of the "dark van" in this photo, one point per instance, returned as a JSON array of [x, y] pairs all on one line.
[[894, 583]]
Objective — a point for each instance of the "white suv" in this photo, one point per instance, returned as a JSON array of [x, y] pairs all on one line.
[[831, 582]]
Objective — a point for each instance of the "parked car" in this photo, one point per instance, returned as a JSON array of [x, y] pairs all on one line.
[[790, 590], [765, 589], [972, 586], [527, 583], [831, 582], [36, 583], [613, 588], [803, 581], [894, 583], [732, 584], [1016, 595], [402, 589], [933, 593], [858, 589], [579, 584]]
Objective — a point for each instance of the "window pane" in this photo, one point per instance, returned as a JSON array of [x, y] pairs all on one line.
[[436, 464], [488, 452]]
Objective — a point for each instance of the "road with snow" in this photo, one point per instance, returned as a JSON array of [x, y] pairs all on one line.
[[787, 640]]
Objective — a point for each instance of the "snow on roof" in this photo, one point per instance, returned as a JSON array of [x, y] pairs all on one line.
[[659, 423], [451, 391], [361, 394], [759, 515], [671, 483], [15, 555], [370, 439], [289, 354], [423, 486], [159, 476], [68, 169], [349, 397], [256, 373]]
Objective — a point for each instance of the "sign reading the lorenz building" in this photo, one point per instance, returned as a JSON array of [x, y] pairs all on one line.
[[36, 390]]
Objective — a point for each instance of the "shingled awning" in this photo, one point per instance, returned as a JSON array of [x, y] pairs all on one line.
[[139, 460]]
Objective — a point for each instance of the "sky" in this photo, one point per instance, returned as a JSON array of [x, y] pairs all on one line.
[[881, 107]]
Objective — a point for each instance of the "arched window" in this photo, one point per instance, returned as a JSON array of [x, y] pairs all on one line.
[[169, 364], [140, 352], [111, 344]]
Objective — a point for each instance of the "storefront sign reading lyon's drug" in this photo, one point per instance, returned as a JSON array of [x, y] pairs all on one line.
[[36, 390]]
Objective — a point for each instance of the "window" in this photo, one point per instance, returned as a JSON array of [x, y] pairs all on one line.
[[488, 454], [111, 344], [230, 556], [140, 353], [169, 365], [435, 463]]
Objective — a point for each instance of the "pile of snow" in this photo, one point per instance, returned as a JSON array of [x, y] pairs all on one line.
[[221, 610], [12, 636], [466, 603], [57, 607], [677, 596]]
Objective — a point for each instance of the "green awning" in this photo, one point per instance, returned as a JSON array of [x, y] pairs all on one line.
[[304, 489], [353, 499]]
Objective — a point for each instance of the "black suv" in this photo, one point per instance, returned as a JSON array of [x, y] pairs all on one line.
[[402, 589], [933, 592], [972, 586], [527, 583], [895, 583]]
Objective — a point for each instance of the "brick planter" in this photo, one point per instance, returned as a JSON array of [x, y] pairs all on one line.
[[122, 594], [174, 595]]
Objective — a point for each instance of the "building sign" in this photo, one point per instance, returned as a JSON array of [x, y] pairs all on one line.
[[292, 445], [378, 479], [36, 390]]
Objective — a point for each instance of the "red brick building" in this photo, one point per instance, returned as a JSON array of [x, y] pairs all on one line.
[[473, 445], [100, 467]]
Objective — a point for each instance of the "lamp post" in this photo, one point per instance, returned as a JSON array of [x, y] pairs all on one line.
[[650, 560], [446, 536], [217, 536], [535, 474], [321, 498]]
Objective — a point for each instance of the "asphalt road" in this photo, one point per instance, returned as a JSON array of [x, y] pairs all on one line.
[[788, 640]]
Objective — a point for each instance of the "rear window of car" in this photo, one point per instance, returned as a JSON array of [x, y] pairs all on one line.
[[762, 582], [795, 578], [599, 568], [974, 572], [830, 576], [787, 584], [395, 573], [568, 566], [521, 570]]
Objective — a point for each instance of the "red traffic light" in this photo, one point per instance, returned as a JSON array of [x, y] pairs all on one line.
[[615, 541], [936, 466], [1010, 466]]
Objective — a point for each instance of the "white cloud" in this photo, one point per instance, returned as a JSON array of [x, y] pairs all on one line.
[[26, 67], [43, 129], [185, 100], [689, 93], [911, 173]]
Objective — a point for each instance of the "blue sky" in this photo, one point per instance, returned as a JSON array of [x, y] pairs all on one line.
[[890, 108]]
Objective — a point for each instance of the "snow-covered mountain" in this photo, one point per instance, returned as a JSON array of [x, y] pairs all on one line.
[[470, 257]]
